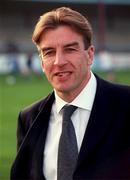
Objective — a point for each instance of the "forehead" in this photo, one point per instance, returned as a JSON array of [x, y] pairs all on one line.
[[60, 36]]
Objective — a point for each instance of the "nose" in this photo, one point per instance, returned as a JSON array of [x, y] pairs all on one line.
[[60, 59]]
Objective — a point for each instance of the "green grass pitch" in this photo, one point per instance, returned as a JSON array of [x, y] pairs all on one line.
[[15, 94]]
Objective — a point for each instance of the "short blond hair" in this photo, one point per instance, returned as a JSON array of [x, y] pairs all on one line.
[[63, 16]]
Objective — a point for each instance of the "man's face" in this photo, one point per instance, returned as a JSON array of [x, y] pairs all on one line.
[[65, 61]]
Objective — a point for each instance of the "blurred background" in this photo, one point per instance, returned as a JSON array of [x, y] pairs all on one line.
[[21, 80]]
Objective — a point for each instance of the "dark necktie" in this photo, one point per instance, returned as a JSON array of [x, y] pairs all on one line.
[[68, 149]]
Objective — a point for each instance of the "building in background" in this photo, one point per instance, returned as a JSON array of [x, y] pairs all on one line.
[[110, 20]]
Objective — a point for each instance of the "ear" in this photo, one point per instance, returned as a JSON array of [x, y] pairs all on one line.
[[90, 52]]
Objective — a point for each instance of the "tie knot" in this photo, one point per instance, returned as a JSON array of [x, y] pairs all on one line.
[[68, 111]]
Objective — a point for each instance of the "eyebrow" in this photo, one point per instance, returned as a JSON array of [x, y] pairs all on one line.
[[76, 44], [46, 48]]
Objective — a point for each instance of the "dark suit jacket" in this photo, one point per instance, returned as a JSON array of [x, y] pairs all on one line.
[[105, 151]]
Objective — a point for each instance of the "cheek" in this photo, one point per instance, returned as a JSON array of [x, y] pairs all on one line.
[[87, 61], [83, 65], [83, 61], [45, 67], [48, 71]]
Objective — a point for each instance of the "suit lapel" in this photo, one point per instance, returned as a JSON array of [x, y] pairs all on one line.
[[37, 159], [31, 152], [98, 124]]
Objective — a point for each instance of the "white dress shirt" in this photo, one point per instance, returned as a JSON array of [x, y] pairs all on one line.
[[84, 102]]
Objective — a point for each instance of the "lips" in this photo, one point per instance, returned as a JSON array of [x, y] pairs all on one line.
[[63, 75]]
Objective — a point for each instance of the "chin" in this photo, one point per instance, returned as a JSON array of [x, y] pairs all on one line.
[[62, 90]]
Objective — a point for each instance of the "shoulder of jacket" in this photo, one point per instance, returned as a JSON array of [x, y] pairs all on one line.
[[118, 93], [35, 107]]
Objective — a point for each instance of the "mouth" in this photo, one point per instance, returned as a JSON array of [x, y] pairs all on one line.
[[65, 74], [62, 73]]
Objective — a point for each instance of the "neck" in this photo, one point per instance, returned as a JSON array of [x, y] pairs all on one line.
[[69, 96]]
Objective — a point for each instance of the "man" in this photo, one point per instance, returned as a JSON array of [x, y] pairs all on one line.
[[101, 121]]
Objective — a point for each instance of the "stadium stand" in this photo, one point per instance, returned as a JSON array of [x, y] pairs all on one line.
[[110, 21]]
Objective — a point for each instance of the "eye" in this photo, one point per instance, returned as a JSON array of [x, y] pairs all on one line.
[[70, 49], [48, 53]]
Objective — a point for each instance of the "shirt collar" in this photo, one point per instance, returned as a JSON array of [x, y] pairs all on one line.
[[84, 100]]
